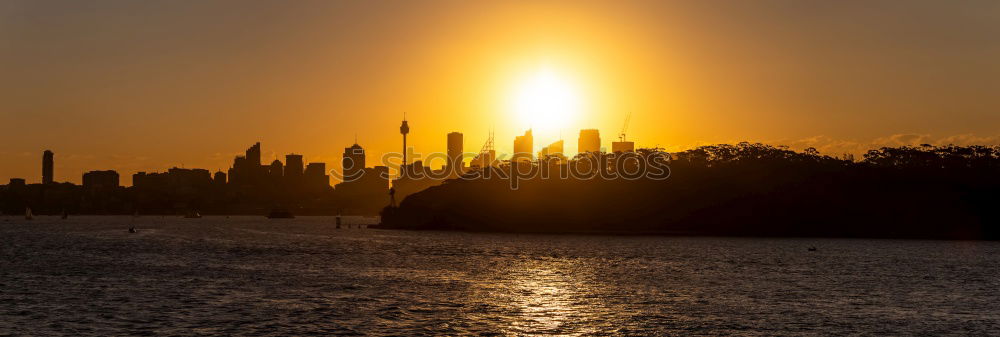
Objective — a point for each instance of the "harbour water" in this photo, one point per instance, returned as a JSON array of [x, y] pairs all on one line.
[[255, 276]]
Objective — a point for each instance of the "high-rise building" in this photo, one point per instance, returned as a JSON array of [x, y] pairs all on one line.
[[236, 173], [276, 170], [293, 167], [590, 141], [353, 162], [315, 176], [523, 147], [246, 169], [253, 155], [47, 167], [455, 149]]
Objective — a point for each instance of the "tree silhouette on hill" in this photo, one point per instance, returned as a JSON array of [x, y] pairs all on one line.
[[746, 189]]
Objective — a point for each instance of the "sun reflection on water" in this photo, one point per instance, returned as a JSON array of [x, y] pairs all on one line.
[[548, 297]]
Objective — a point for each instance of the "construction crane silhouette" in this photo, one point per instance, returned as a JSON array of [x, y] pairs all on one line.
[[489, 143], [487, 154], [621, 135]]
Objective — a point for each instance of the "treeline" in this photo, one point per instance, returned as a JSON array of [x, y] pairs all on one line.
[[747, 189]]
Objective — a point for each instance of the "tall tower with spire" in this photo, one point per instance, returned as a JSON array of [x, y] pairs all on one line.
[[404, 129]]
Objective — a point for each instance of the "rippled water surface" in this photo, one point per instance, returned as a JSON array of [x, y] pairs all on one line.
[[253, 276]]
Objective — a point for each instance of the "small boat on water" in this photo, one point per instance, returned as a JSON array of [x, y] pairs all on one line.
[[812, 249], [132, 229], [27, 214], [280, 213], [192, 215], [65, 214]]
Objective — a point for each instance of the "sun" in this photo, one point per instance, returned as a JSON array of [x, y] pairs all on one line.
[[546, 101]]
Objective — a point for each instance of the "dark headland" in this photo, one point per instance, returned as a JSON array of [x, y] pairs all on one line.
[[925, 192]]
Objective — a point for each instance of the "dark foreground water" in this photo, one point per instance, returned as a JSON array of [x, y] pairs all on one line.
[[253, 276]]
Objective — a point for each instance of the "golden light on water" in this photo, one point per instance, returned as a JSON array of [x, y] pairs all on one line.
[[550, 298], [544, 300]]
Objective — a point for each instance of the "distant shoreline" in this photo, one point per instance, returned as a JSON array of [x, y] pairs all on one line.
[[678, 234], [182, 215], [649, 233]]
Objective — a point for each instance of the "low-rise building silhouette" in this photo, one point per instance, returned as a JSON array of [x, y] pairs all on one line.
[[100, 180], [623, 146], [219, 178], [16, 183], [553, 151]]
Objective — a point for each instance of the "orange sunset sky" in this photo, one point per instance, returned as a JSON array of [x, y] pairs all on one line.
[[144, 86]]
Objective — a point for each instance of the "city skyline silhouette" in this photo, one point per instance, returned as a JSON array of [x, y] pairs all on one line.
[[499, 168], [115, 92]]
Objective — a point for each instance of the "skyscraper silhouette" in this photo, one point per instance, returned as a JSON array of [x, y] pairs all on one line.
[[590, 141], [275, 171], [353, 162], [246, 169], [253, 155], [315, 176], [47, 167], [523, 147], [293, 167], [455, 150]]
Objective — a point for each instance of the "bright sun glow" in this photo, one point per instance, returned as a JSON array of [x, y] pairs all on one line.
[[546, 101]]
